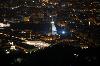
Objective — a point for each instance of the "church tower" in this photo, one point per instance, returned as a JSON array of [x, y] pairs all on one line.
[[53, 28]]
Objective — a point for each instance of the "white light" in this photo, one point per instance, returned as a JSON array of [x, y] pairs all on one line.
[[52, 22], [12, 36], [4, 25], [25, 2], [80, 21], [63, 32], [11, 43], [12, 8], [85, 47], [1, 33], [33, 1], [76, 55], [7, 52], [16, 37], [12, 48], [26, 52], [89, 23], [23, 32], [50, 16]]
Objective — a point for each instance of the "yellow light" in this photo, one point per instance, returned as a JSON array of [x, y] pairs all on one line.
[[26, 19], [46, 1]]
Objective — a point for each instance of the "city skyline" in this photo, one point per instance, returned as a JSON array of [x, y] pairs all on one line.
[[32, 30]]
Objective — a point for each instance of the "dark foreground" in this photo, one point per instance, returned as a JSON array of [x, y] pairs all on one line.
[[58, 55]]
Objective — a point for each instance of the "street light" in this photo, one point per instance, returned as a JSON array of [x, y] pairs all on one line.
[[63, 32]]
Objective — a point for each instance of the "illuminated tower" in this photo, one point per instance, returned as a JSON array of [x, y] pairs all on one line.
[[53, 28]]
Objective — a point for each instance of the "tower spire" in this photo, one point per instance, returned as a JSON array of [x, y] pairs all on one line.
[[54, 30]]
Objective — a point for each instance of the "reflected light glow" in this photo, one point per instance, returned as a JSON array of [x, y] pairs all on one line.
[[38, 44]]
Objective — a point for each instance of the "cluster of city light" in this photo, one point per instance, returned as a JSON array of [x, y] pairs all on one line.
[[4, 25], [12, 46], [84, 47], [7, 51], [38, 44], [15, 7], [76, 55]]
